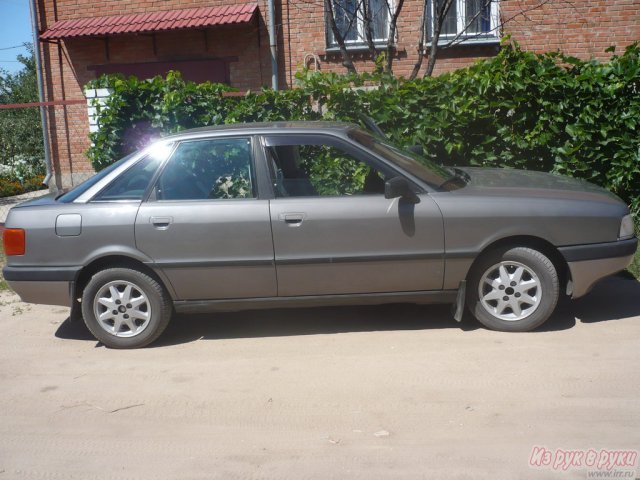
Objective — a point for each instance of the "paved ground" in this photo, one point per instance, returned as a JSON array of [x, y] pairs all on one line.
[[384, 392]]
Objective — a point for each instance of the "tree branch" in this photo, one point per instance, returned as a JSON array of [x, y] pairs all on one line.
[[462, 35], [441, 14], [366, 15], [347, 61], [462, 32], [418, 64], [499, 26], [392, 33]]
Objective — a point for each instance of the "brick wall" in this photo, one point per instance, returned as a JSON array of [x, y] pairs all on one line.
[[583, 28], [68, 63]]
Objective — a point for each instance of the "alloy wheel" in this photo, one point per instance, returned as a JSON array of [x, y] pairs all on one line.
[[122, 309], [510, 291]]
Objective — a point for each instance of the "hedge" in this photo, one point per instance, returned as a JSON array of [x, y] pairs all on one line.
[[10, 188], [519, 109]]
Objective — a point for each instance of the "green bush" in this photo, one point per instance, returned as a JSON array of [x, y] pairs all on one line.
[[9, 188], [139, 110], [21, 144], [519, 109]]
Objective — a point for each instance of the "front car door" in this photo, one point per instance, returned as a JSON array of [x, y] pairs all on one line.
[[205, 226], [334, 232]]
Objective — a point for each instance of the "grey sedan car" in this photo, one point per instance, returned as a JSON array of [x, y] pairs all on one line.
[[308, 214]]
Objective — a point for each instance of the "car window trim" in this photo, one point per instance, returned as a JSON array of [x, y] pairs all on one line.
[[263, 172]]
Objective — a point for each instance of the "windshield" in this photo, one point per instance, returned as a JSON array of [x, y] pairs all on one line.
[[79, 189], [422, 168]]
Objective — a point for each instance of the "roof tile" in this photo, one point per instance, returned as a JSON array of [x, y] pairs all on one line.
[[151, 22]]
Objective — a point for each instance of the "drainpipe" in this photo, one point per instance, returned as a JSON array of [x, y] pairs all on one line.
[[272, 44], [43, 109]]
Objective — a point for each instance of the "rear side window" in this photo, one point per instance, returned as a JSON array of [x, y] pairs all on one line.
[[208, 169], [131, 184], [74, 193]]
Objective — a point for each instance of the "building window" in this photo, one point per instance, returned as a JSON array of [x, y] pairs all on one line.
[[350, 16], [467, 21]]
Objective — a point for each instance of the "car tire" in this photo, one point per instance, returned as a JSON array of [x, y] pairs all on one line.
[[125, 308], [513, 289]]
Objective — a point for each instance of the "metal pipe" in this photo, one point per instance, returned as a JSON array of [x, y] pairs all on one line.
[[43, 109], [272, 44]]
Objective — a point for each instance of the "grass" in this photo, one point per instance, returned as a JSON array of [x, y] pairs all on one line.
[[3, 283], [634, 268]]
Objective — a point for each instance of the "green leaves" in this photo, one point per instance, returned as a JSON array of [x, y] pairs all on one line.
[[139, 110], [519, 109], [21, 144]]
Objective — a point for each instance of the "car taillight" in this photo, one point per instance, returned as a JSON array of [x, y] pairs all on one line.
[[14, 241]]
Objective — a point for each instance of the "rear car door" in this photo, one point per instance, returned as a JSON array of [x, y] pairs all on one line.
[[334, 232], [204, 225]]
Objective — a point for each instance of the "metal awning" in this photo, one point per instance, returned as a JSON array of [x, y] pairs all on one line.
[[152, 22]]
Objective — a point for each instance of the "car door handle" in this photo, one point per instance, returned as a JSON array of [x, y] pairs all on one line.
[[161, 223], [293, 219]]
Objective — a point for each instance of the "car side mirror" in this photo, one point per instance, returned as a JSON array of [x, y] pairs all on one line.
[[399, 187]]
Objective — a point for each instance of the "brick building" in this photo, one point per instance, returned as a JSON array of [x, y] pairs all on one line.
[[229, 42]]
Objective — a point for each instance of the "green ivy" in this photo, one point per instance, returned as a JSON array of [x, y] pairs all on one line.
[[519, 109]]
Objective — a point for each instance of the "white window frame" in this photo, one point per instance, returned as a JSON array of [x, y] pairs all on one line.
[[492, 35], [361, 41]]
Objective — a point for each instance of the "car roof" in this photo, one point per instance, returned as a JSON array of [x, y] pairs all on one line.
[[269, 127]]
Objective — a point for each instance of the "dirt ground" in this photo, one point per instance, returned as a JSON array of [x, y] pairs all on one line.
[[368, 392]]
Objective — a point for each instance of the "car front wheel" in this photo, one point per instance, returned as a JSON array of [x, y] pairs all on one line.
[[125, 308], [513, 289]]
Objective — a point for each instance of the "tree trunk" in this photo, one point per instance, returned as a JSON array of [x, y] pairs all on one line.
[[418, 64], [441, 13], [392, 35], [366, 13], [347, 61]]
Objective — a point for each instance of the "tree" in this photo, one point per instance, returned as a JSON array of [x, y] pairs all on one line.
[[20, 130], [441, 11], [346, 16], [359, 17], [343, 17], [339, 36]]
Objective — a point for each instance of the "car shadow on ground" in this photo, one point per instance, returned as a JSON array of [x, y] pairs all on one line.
[[612, 299]]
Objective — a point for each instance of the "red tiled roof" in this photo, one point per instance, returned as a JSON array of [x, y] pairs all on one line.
[[152, 22]]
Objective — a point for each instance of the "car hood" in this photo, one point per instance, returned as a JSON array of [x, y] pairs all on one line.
[[506, 181]]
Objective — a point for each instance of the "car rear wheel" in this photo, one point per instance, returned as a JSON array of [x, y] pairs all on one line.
[[125, 308], [513, 289]]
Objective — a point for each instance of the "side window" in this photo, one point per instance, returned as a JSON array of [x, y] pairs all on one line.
[[321, 170], [208, 169], [131, 184]]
